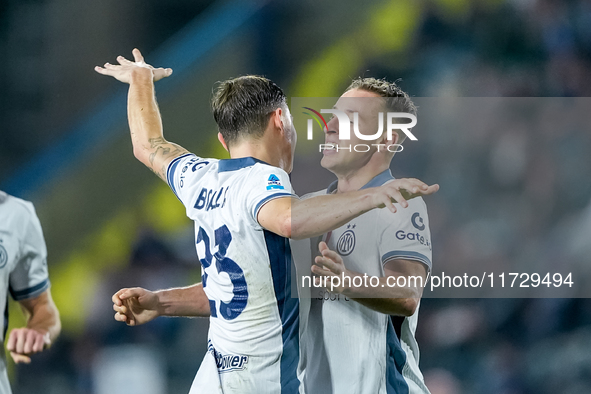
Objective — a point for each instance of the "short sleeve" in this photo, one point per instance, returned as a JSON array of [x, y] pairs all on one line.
[[29, 278], [182, 173], [408, 236], [266, 183]]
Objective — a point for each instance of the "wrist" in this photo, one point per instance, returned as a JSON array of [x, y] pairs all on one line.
[[368, 198], [348, 289], [142, 75], [160, 303]]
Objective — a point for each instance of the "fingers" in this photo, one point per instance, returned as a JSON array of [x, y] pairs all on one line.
[[123, 61], [137, 55], [123, 70], [160, 73], [102, 70], [397, 196], [431, 189], [108, 69], [321, 272], [322, 246], [120, 309], [332, 255], [38, 344], [117, 297], [328, 264], [30, 339], [330, 260], [124, 314], [11, 344], [20, 358], [26, 341], [20, 341], [130, 293], [417, 187], [124, 318], [387, 201]]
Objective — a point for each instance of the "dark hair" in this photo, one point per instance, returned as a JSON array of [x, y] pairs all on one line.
[[242, 106], [397, 100]]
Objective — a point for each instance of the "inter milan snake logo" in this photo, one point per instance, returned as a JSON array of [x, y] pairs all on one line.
[[346, 242], [3, 256]]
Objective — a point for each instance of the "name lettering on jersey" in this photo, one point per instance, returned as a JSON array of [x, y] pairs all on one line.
[[211, 199], [346, 242], [402, 235], [274, 183], [194, 164], [228, 362]]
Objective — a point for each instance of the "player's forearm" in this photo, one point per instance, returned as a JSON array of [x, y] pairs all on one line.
[[43, 315], [145, 125], [188, 301], [391, 306], [318, 215], [383, 297]]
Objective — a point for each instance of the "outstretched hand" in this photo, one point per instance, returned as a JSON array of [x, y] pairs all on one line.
[[135, 306], [401, 190], [123, 71]]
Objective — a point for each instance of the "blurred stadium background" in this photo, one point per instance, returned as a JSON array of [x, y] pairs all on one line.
[[109, 223]]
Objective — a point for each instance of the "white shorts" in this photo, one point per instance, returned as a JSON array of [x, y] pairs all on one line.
[[238, 374]]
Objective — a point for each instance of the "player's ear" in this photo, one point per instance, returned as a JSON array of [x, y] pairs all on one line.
[[221, 139], [395, 139], [277, 119]]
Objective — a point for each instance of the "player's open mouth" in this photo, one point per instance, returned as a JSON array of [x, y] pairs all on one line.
[[329, 148]]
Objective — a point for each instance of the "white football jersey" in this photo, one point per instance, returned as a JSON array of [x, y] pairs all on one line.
[[347, 347], [246, 274], [23, 261]]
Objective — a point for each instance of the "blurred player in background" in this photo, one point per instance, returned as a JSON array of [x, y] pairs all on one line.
[[361, 339], [244, 211], [23, 267]]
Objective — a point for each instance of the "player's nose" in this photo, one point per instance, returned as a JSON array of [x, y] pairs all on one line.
[[332, 126]]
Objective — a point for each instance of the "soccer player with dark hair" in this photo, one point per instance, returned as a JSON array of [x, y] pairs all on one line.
[[244, 212]]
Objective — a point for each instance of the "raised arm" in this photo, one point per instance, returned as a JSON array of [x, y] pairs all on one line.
[[145, 122]]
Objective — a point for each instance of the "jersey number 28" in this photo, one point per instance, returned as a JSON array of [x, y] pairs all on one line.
[[228, 310]]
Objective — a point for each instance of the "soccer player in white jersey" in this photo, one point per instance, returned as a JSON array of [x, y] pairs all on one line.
[[244, 211], [361, 339], [23, 269]]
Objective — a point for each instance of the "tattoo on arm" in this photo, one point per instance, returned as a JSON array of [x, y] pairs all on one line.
[[162, 150]]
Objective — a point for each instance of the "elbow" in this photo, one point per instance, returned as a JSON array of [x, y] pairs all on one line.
[[138, 152], [141, 155], [286, 228], [407, 306]]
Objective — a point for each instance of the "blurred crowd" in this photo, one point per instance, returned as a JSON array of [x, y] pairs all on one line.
[[515, 194]]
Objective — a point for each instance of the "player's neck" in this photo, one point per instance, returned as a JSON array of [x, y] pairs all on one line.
[[356, 179], [259, 150]]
